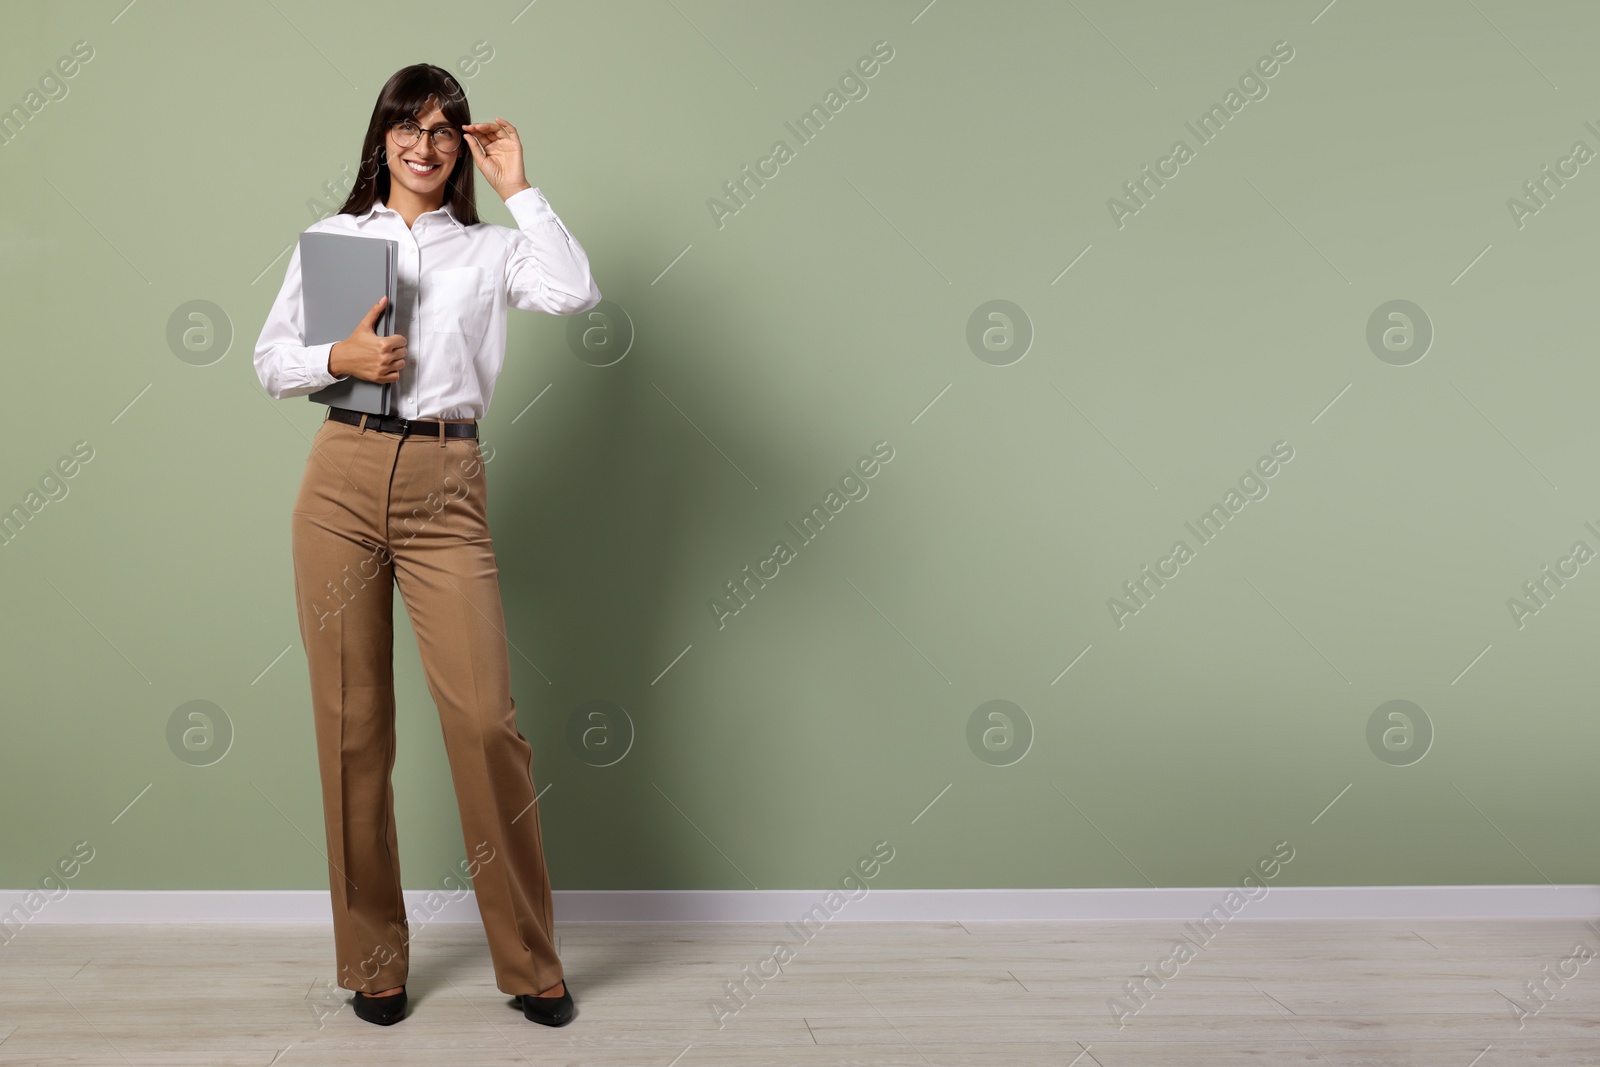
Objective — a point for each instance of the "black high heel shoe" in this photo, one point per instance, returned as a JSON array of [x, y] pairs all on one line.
[[551, 1011], [381, 1010]]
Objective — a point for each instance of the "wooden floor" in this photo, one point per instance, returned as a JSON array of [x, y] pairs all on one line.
[[1265, 992]]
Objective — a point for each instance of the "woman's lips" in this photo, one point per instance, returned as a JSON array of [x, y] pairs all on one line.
[[413, 164]]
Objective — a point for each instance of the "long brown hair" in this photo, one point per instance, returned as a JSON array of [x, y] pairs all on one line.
[[406, 95]]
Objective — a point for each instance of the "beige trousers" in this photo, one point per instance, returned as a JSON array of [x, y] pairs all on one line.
[[377, 510]]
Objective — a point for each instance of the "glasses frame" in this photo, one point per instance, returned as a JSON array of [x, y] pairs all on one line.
[[432, 135]]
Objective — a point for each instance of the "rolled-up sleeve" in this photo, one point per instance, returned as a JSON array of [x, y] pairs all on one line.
[[285, 366], [547, 269]]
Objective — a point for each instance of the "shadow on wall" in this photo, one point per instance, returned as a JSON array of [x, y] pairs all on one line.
[[597, 496]]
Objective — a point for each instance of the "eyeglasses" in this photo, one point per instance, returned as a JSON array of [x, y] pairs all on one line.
[[447, 139]]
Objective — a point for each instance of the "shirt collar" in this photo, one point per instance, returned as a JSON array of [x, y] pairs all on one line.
[[379, 207]]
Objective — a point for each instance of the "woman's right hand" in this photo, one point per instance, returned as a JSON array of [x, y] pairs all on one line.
[[366, 355]]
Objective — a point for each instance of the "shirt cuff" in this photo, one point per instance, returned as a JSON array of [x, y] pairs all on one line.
[[316, 366], [528, 206]]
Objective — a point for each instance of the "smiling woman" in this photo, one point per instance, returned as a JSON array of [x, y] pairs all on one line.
[[369, 475]]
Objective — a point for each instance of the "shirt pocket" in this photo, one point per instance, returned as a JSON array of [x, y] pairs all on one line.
[[459, 304]]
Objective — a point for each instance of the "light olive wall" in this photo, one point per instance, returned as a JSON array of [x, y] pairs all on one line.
[[1398, 471]]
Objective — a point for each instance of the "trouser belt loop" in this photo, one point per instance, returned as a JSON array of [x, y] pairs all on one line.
[[364, 418], [441, 433]]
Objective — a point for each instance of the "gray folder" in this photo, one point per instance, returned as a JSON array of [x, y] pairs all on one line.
[[341, 277]]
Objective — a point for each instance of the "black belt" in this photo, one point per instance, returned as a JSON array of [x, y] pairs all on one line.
[[395, 424]]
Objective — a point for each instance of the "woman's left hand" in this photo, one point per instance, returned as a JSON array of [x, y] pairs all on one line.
[[498, 154]]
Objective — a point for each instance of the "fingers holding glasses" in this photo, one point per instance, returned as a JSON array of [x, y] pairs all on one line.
[[488, 133], [497, 150]]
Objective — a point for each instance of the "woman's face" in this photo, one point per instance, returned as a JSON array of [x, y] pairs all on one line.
[[427, 183]]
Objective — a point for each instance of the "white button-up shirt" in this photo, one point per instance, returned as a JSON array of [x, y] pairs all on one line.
[[455, 283]]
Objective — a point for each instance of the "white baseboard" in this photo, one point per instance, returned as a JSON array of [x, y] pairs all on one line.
[[879, 905]]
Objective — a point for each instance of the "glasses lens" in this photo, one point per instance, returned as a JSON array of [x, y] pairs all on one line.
[[447, 139], [406, 133]]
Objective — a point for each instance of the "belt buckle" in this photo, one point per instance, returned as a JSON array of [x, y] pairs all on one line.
[[405, 425]]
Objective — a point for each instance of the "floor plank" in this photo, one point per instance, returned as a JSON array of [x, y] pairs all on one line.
[[942, 994]]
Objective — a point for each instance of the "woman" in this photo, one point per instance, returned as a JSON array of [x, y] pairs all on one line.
[[402, 500]]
